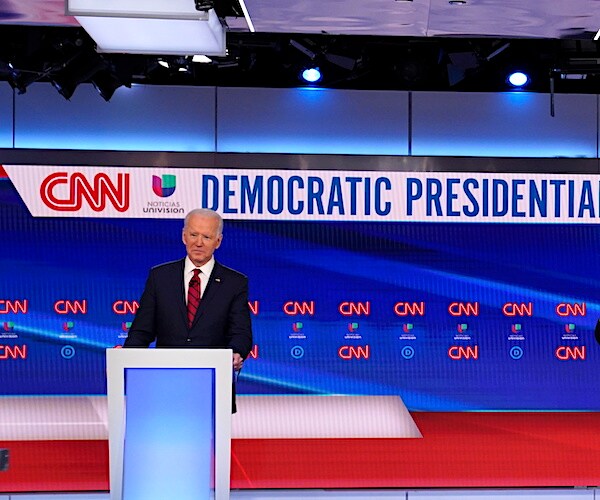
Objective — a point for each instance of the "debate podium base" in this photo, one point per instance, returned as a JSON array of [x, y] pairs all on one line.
[[169, 423]]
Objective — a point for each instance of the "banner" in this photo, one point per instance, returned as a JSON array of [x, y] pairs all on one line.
[[316, 195]]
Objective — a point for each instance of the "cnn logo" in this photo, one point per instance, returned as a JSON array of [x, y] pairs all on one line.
[[66, 192]]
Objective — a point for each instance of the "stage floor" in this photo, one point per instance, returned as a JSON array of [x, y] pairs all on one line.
[[545, 494], [427, 450]]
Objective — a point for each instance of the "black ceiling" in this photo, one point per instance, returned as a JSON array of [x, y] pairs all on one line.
[[66, 56]]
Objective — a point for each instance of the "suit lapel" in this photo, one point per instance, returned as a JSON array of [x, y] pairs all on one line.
[[180, 293]]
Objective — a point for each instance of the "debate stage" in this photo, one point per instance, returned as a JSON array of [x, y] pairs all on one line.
[[59, 444]]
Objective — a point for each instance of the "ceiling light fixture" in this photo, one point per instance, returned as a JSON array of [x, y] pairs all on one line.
[[173, 27], [200, 58], [311, 75], [498, 51], [311, 54], [81, 67], [204, 5], [518, 79], [107, 83]]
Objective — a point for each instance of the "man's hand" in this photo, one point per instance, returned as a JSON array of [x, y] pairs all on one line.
[[238, 362]]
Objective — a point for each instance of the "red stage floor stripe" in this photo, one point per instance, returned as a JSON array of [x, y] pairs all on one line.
[[55, 466], [457, 450]]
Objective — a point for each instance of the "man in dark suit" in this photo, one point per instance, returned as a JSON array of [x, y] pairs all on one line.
[[220, 316]]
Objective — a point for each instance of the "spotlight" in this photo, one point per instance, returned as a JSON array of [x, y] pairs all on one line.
[[344, 62], [311, 75], [64, 87], [17, 82], [199, 58], [518, 79], [311, 54], [106, 84], [461, 65], [78, 69], [204, 5]]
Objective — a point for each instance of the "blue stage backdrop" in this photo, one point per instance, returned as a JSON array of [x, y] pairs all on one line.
[[448, 315]]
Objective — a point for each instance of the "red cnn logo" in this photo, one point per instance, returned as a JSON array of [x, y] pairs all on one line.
[[13, 352], [358, 308], [514, 309], [357, 352], [564, 309], [65, 192], [70, 306], [253, 305], [125, 306], [14, 306], [459, 352], [464, 309], [409, 309], [292, 308], [565, 353], [254, 352]]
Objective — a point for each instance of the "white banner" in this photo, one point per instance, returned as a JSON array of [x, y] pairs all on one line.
[[321, 195]]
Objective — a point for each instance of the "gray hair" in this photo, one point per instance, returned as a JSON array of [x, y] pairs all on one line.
[[204, 212]]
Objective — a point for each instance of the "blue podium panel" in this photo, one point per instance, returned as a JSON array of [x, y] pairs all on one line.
[[169, 447]]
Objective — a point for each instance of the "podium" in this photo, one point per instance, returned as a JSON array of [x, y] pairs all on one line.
[[169, 423]]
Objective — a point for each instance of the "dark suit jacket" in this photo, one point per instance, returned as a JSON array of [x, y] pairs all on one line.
[[222, 320]]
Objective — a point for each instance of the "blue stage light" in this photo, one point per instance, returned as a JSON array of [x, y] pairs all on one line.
[[311, 75], [518, 79]]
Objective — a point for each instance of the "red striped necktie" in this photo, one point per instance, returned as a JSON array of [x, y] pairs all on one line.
[[193, 297]]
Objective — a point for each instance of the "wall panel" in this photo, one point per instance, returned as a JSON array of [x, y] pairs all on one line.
[[312, 121], [146, 118], [302, 121], [511, 124], [6, 117]]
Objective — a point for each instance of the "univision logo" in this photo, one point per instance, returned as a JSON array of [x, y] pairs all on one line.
[[163, 186]]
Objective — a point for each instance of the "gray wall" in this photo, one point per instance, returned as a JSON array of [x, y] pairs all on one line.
[[301, 121]]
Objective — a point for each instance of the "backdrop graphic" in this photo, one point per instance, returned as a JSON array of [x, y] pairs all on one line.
[[450, 316]]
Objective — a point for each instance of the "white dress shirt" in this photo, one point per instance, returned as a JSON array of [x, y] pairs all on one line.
[[205, 272]]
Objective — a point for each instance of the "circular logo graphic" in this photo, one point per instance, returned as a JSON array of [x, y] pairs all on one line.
[[297, 352], [516, 352], [407, 352], [67, 351]]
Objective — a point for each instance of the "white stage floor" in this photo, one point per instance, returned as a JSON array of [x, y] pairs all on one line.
[[260, 417]]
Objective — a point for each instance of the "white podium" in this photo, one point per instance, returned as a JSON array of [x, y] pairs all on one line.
[[169, 423]]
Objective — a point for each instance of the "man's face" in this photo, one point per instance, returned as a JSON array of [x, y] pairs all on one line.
[[201, 238]]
